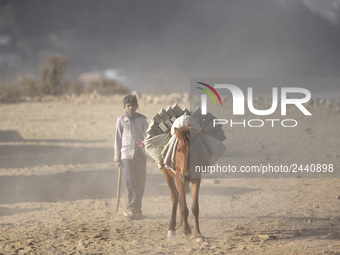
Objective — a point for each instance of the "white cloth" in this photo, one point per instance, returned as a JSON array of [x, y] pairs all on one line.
[[184, 120]]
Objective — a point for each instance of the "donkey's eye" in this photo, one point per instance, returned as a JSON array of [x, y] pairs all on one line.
[[178, 150]]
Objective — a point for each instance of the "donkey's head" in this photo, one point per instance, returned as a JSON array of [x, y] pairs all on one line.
[[186, 143]]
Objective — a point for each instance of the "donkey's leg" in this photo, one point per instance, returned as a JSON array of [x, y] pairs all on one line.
[[174, 198], [195, 209], [183, 206], [187, 190], [180, 222]]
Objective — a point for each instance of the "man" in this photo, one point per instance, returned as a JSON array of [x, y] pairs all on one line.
[[130, 154]]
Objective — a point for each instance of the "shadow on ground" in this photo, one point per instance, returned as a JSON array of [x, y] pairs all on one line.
[[71, 186], [18, 156], [23, 154], [4, 211]]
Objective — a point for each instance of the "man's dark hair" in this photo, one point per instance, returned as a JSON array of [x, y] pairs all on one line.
[[130, 99]]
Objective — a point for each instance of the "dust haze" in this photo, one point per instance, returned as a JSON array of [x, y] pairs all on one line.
[[57, 176], [161, 45]]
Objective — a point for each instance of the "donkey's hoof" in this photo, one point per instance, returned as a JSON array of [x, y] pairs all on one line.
[[200, 240], [187, 233], [171, 233]]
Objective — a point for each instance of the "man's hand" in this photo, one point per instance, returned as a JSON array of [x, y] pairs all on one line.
[[141, 143]]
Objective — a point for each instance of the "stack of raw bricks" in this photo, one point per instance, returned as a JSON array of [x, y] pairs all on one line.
[[162, 122]]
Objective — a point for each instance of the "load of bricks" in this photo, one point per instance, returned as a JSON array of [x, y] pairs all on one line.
[[161, 123], [159, 142]]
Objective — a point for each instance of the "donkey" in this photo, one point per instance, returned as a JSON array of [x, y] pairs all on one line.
[[187, 144]]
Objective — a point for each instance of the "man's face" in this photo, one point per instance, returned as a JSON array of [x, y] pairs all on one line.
[[130, 108]]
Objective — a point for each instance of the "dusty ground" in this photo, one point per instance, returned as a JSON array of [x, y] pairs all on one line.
[[58, 188]]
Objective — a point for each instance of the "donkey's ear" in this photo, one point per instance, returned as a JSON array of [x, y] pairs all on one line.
[[177, 133]]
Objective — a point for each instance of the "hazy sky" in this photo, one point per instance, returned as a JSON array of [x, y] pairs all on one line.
[[169, 42], [160, 45]]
